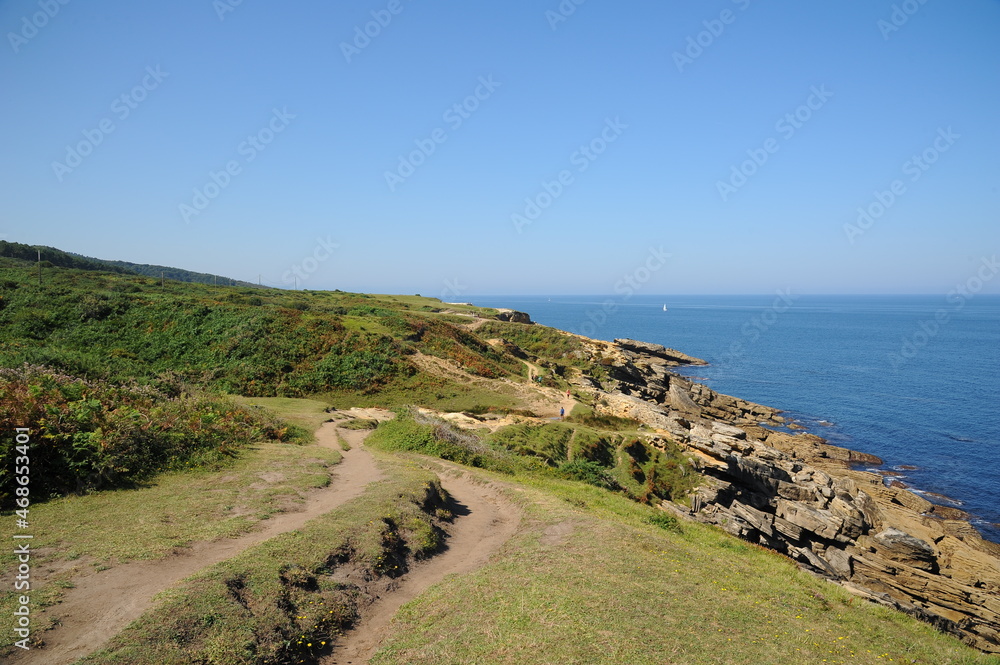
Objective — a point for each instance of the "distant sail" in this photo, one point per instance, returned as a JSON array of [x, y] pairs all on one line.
[[664, 307]]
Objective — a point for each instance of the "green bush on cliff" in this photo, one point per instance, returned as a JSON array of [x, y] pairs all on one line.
[[537, 340], [645, 472]]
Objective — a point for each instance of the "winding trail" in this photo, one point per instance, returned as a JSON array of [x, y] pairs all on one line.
[[102, 603], [485, 520]]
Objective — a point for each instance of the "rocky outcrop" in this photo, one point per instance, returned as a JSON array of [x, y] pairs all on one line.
[[671, 356], [513, 316], [804, 498]]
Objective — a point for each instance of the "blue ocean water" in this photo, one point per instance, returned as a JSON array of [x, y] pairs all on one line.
[[912, 379]]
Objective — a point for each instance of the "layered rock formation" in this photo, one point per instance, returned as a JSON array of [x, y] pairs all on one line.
[[804, 498]]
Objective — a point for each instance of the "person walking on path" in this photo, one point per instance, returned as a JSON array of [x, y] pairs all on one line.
[[562, 412]]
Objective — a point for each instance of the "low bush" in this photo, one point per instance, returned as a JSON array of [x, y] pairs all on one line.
[[88, 434]]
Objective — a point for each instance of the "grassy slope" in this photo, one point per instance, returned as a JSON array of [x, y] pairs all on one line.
[[591, 581], [308, 414], [348, 349]]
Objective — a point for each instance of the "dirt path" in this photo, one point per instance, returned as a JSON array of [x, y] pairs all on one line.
[[103, 603], [485, 520]]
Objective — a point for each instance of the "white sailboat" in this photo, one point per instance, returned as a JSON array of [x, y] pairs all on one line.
[[664, 307]]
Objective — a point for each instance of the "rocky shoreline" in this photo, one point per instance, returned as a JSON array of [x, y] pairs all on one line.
[[798, 495]]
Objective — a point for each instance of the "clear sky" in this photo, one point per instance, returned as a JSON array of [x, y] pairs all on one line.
[[516, 147]]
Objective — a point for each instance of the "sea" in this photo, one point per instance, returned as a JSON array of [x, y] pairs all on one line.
[[912, 379]]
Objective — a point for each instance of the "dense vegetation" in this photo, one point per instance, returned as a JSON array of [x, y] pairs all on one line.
[[124, 376], [54, 257], [538, 341], [243, 341], [93, 435]]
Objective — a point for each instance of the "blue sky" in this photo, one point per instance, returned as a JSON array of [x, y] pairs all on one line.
[[710, 147]]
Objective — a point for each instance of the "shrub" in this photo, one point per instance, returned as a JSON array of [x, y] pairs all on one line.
[[588, 472], [89, 435], [664, 521]]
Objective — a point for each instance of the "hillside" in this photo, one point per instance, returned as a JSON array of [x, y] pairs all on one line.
[[198, 412], [50, 256]]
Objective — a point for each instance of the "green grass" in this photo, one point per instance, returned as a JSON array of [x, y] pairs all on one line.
[[429, 391], [620, 590], [122, 327], [308, 414], [281, 602]]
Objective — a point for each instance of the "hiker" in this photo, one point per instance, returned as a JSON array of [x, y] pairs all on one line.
[[562, 412]]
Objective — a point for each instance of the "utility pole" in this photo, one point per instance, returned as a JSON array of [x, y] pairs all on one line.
[[258, 279], [215, 279], [161, 279], [39, 267]]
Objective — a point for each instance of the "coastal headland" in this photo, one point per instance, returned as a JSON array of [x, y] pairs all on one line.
[[798, 495], [215, 459]]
